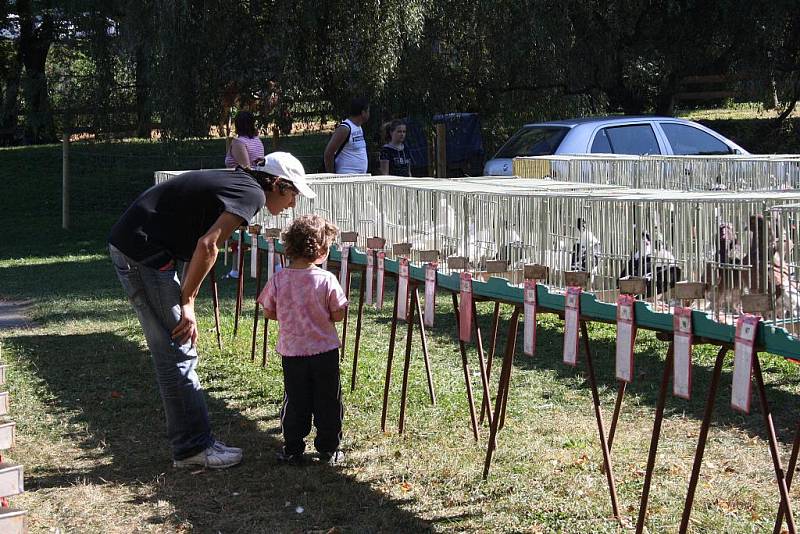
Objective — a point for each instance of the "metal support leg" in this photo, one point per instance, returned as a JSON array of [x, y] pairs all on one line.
[[512, 341], [789, 474], [612, 487], [492, 347], [407, 363], [215, 301], [467, 379], [239, 284], [389, 358], [424, 340], [701, 440], [651, 455], [780, 475], [255, 310], [505, 380], [358, 330], [482, 362], [346, 317]]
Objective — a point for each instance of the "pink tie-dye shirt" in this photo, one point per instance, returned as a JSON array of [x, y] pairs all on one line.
[[304, 300]]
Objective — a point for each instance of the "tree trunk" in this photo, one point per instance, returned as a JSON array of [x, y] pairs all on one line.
[[34, 45], [143, 126], [10, 109]]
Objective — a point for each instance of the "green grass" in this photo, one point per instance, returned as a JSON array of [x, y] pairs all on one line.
[[91, 431]]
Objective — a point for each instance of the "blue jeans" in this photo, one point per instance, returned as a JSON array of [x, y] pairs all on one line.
[[155, 296]]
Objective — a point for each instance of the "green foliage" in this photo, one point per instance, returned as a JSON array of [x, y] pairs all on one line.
[[187, 64]]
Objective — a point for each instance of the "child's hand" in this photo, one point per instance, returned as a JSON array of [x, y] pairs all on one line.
[[338, 315]]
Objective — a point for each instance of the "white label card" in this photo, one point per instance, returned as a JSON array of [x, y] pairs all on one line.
[[430, 294], [626, 335], [743, 352], [571, 324], [465, 308], [529, 327], [402, 289], [379, 281], [682, 353], [343, 266], [253, 255], [270, 258], [369, 274]]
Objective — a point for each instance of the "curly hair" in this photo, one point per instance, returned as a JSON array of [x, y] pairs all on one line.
[[308, 236]]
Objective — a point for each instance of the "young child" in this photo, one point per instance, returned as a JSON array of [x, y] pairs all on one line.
[[306, 301]]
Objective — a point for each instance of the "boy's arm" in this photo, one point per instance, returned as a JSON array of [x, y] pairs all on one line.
[[272, 315], [338, 315]]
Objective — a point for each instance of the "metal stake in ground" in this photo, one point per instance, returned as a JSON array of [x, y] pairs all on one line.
[[239, 282], [348, 241], [256, 309], [271, 234], [215, 302], [373, 244]]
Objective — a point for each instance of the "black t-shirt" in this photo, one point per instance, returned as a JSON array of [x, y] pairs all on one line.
[[167, 220], [399, 160]]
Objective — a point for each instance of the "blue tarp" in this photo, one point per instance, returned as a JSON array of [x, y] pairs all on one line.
[[465, 153]]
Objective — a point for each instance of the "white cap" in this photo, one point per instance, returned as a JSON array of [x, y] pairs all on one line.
[[288, 167]]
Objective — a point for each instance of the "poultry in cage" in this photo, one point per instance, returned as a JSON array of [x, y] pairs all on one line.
[[656, 264]]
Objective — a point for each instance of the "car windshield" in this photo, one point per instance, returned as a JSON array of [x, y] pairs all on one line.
[[533, 141]]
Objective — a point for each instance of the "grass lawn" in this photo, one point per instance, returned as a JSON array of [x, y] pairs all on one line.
[[91, 432]]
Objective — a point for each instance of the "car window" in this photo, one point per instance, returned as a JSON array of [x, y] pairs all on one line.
[[600, 145], [533, 141], [634, 139], [691, 141]]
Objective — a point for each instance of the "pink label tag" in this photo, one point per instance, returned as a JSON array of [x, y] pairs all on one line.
[[270, 258], [572, 310], [626, 335], [369, 274], [343, 266], [379, 282], [682, 353], [743, 351], [465, 308], [402, 289], [253, 255], [430, 294], [529, 327]]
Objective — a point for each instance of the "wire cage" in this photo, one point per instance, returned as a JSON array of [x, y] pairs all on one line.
[[783, 265], [685, 173]]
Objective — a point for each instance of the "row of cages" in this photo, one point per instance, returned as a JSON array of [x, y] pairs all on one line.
[[682, 173], [735, 244]]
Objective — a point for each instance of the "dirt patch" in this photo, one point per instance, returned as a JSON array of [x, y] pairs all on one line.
[[15, 314]]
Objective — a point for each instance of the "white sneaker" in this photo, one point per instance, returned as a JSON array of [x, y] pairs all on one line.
[[212, 458], [225, 448], [233, 274]]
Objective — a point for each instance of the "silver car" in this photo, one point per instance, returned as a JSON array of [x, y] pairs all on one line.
[[610, 135]]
